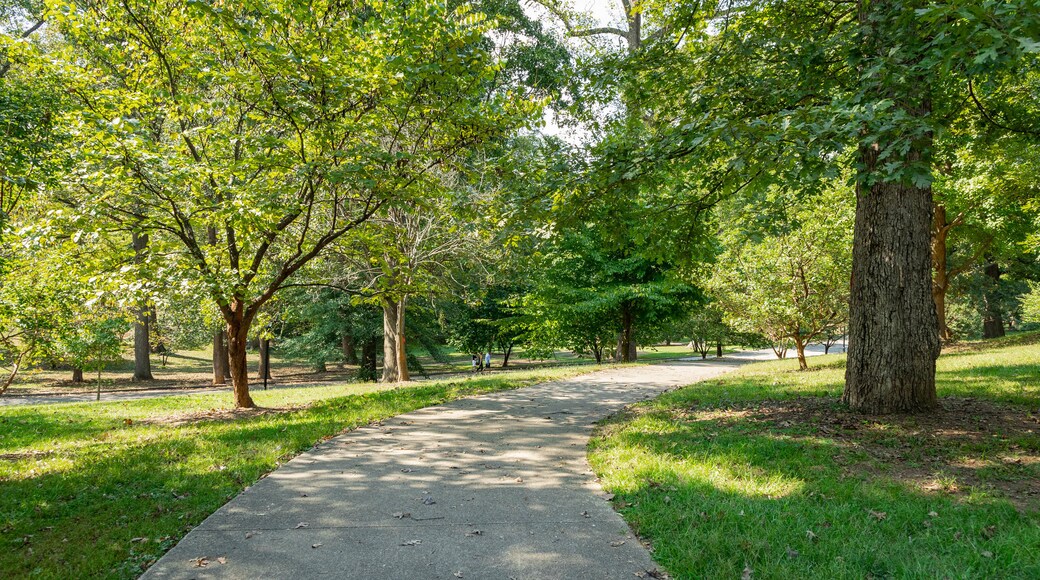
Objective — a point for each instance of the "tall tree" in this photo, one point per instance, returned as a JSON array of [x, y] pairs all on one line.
[[278, 126], [777, 91], [792, 285]]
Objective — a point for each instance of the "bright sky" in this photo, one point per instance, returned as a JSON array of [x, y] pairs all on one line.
[[603, 13]]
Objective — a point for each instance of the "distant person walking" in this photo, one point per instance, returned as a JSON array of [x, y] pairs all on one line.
[[475, 363], [487, 360]]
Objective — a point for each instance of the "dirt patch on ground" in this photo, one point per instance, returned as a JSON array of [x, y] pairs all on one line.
[[211, 415], [967, 444]]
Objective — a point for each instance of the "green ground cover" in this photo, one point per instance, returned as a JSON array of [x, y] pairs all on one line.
[[102, 489], [763, 473]]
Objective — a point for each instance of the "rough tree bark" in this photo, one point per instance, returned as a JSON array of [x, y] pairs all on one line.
[[893, 330], [395, 361], [142, 342], [77, 375]]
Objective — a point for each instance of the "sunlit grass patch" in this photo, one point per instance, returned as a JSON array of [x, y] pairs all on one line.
[[764, 469]]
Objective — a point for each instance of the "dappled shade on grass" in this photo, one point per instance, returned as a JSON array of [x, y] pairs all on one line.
[[765, 470]]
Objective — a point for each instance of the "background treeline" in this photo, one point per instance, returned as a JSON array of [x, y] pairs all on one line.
[[361, 183]]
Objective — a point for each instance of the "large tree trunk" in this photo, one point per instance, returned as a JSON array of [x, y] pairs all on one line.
[[265, 350], [142, 346], [238, 333], [77, 375], [349, 350], [395, 361], [993, 319], [893, 331], [220, 359]]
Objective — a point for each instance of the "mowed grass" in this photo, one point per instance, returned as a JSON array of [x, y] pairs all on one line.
[[764, 474], [102, 489]]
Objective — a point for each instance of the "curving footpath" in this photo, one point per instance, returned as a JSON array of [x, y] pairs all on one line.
[[495, 486]]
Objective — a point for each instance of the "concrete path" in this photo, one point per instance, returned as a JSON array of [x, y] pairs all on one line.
[[495, 486]]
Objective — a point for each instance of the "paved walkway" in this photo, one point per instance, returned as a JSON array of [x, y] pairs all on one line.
[[495, 486]]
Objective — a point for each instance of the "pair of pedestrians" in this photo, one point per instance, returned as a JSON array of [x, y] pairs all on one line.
[[479, 365]]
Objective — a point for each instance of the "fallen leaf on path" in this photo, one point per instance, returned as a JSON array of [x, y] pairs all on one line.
[[617, 543], [199, 562], [474, 533], [316, 546], [301, 525], [402, 515], [222, 560], [586, 514], [412, 543], [608, 497], [428, 500], [457, 574]]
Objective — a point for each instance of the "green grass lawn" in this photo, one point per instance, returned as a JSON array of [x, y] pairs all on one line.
[[102, 489], [764, 473]]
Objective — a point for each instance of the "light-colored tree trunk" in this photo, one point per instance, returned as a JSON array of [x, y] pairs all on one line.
[[220, 359], [395, 357]]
